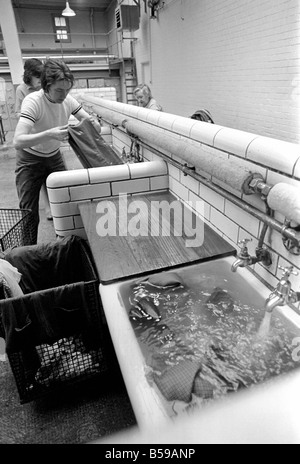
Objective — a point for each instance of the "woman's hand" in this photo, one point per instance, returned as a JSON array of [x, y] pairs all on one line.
[[23, 137], [60, 133]]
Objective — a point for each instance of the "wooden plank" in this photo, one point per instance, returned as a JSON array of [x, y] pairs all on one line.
[[146, 239]]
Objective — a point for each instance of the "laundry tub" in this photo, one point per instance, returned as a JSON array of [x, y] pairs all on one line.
[[185, 346]]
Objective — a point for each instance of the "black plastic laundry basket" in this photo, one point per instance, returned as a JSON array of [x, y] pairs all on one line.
[[16, 228], [74, 357]]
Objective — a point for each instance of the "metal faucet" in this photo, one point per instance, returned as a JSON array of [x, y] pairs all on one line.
[[283, 293], [245, 259]]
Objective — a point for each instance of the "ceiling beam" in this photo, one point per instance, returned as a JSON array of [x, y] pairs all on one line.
[[32, 6]]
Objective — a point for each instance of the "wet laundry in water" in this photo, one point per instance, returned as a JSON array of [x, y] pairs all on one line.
[[165, 279], [220, 302], [180, 382]]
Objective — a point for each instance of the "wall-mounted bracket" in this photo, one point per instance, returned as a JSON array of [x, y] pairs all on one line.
[[186, 169]]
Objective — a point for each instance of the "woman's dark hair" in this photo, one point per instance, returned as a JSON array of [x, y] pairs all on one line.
[[53, 71], [202, 115], [32, 68]]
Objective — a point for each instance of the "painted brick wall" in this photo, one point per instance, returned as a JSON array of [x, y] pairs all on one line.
[[237, 58]]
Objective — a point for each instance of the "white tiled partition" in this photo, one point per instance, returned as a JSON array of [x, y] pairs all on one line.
[[68, 188]]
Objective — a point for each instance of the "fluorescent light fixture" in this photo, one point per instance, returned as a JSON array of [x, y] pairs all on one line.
[[68, 11]]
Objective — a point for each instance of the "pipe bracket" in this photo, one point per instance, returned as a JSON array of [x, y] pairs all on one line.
[[186, 168]]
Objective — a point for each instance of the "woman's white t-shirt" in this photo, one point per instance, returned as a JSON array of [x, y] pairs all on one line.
[[41, 114]]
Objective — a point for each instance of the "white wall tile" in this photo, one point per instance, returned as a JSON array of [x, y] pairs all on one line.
[[108, 173], [153, 117], [159, 183], [183, 126], [242, 218], [225, 225], [64, 209], [59, 195], [233, 141], [200, 206], [148, 169], [213, 198], [131, 186], [190, 183], [204, 132], [174, 172], [87, 192], [63, 223], [68, 178], [277, 154], [274, 178], [166, 120], [178, 189], [266, 276]]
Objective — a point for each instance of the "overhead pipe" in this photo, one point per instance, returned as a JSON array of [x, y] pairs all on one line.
[[219, 166]]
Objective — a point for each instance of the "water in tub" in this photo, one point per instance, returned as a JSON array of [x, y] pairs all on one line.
[[206, 330]]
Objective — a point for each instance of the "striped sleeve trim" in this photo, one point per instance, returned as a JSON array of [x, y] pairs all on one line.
[[77, 109], [28, 117]]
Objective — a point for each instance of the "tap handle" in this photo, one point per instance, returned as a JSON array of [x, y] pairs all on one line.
[[288, 271], [243, 243]]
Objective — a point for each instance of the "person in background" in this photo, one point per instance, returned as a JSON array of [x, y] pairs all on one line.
[[31, 83], [42, 126], [144, 97], [203, 115]]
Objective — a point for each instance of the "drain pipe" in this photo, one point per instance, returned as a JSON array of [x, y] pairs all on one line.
[[92, 27]]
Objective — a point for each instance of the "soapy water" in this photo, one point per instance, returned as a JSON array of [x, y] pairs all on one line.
[[206, 320]]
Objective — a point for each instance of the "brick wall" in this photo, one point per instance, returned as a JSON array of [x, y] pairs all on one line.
[[237, 58]]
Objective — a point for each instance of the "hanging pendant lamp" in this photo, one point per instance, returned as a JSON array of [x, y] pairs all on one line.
[[68, 11]]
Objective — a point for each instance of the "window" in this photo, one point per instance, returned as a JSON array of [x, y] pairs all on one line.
[[61, 29]]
